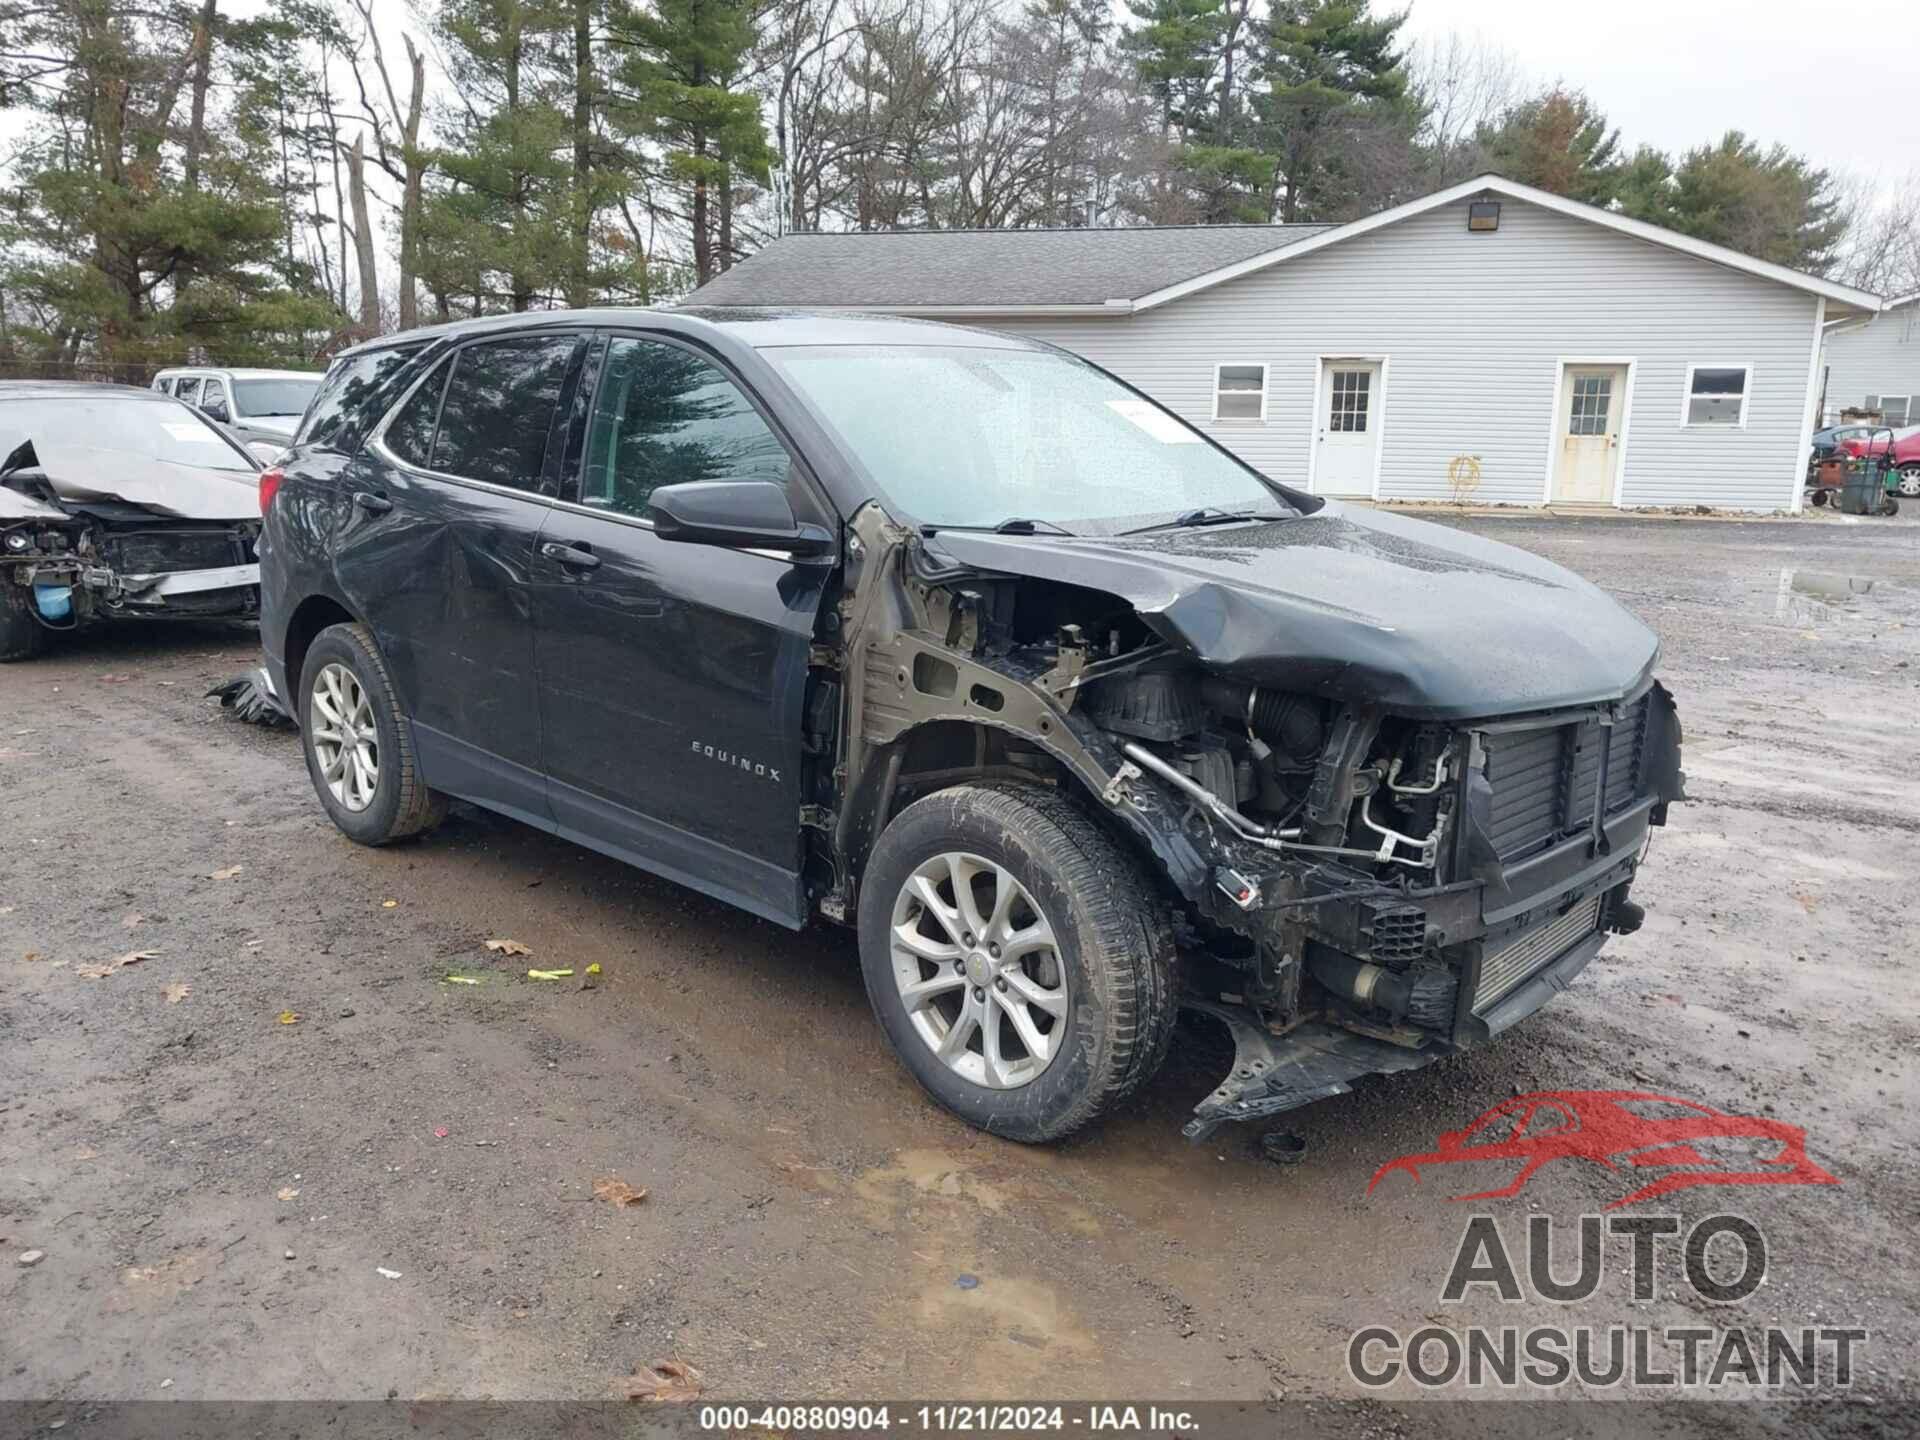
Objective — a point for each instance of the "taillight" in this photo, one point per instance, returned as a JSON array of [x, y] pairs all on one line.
[[270, 485]]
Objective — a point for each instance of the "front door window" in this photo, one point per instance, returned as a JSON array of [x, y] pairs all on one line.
[[1592, 399], [1351, 394]]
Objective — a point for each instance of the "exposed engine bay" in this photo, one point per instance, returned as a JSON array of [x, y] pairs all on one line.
[[1360, 886], [71, 554]]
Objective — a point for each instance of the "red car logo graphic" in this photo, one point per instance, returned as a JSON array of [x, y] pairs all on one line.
[[1630, 1132]]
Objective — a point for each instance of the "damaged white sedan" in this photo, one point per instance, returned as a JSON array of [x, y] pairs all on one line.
[[119, 504]]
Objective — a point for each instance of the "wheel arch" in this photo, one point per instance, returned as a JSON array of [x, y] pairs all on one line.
[[309, 618], [945, 751]]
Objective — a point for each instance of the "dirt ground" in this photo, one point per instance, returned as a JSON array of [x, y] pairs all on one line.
[[220, 1196]]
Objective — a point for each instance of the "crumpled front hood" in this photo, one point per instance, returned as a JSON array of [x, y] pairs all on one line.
[[1355, 605], [82, 474]]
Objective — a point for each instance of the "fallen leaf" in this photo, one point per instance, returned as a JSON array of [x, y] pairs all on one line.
[[667, 1381], [548, 974], [226, 874], [31, 956], [176, 992], [289, 1017], [119, 962], [509, 947], [389, 904], [286, 1192], [618, 1193]]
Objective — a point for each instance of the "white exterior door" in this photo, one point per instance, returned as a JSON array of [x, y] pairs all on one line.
[[1348, 435], [1593, 401]]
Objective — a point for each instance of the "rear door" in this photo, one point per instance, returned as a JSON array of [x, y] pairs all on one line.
[[435, 551], [673, 676]]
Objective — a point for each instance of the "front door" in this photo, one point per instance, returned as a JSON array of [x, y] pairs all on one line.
[[673, 675], [1349, 430], [1593, 403]]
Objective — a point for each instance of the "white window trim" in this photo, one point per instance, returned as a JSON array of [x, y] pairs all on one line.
[[1265, 374], [1884, 395], [1746, 393]]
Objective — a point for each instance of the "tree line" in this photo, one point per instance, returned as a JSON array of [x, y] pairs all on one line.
[[187, 182]]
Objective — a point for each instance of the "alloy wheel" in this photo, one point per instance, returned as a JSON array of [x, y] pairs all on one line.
[[979, 971], [345, 741], [1910, 481]]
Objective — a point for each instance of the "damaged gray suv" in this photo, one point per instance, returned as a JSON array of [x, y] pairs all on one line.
[[958, 639]]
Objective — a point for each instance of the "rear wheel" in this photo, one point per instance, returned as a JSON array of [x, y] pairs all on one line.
[[1909, 482], [22, 636], [359, 750], [1019, 961]]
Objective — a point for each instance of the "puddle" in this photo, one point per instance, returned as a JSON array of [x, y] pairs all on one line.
[[1814, 597]]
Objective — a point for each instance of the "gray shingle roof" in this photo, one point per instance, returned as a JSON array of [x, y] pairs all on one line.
[[989, 268]]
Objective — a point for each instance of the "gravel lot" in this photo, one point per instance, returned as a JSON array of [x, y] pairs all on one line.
[[218, 1194]]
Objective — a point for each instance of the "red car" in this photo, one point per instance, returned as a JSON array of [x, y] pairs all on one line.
[[1630, 1132], [1906, 456]]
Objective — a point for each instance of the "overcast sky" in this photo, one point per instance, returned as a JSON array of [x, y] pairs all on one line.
[[1838, 82]]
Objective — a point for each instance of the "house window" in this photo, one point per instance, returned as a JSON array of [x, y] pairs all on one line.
[[1240, 392], [1717, 395], [1351, 391], [1895, 410]]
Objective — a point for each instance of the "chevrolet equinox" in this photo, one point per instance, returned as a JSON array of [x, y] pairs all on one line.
[[959, 640]]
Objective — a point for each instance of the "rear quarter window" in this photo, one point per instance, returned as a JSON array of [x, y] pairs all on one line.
[[357, 388]]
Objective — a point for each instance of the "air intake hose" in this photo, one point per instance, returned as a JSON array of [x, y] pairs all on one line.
[[1425, 995]]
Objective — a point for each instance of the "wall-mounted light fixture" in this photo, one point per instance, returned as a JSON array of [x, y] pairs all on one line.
[[1483, 215]]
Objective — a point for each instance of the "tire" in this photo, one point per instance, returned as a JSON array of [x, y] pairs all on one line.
[[1819, 497], [22, 636], [397, 804], [1909, 482], [1111, 968]]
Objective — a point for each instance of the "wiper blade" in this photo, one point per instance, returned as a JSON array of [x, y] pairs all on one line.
[[1014, 525], [1205, 515]]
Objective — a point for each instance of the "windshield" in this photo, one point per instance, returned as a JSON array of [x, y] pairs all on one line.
[[160, 431], [275, 397], [965, 437]]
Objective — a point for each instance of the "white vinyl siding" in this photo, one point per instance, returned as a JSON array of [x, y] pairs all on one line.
[[1475, 326], [1869, 362]]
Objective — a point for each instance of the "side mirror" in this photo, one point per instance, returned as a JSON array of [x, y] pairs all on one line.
[[745, 514]]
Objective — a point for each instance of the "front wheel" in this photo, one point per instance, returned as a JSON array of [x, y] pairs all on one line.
[[1020, 962], [1909, 482], [359, 749]]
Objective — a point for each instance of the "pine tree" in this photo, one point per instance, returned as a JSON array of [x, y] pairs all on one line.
[[676, 82], [1328, 66], [144, 223], [1768, 203], [1560, 142]]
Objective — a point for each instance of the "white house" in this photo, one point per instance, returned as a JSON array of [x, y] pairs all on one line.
[[1490, 341], [1873, 363]]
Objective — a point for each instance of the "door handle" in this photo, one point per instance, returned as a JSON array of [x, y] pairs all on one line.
[[371, 503], [574, 557]]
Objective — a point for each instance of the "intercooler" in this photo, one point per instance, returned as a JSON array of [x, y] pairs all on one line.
[[1503, 969]]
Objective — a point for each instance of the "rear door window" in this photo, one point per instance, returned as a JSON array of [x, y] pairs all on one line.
[[188, 389], [409, 434], [356, 390], [499, 408]]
